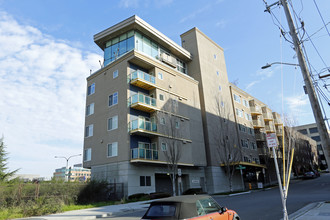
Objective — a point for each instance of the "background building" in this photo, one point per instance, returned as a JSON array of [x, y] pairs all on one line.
[[76, 173], [311, 131]]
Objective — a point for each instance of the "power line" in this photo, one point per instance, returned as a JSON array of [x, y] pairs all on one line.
[[321, 17]]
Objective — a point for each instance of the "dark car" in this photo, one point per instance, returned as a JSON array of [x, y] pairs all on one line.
[[197, 207], [309, 175]]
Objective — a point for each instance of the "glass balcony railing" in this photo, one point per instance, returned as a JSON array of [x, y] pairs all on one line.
[[141, 75], [143, 124], [142, 153], [140, 98]]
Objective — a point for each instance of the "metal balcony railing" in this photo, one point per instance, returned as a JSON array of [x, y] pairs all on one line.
[[143, 153], [142, 79], [142, 124], [142, 102]]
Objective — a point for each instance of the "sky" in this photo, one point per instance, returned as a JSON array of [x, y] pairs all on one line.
[[47, 51]]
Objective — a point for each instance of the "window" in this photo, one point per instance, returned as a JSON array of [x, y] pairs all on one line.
[[253, 146], [113, 149], [89, 131], [160, 76], [161, 97], [316, 138], [177, 124], [90, 109], [217, 73], [313, 130], [246, 103], [162, 121], [219, 88], [88, 154], [237, 98], [207, 206], [239, 113], [164, 147], [113, 99], [248, 116], [215, 56], [181, 66], [145, 181], [115, 74], [303, 131], [91, 89], [222, 104], [113, 123]]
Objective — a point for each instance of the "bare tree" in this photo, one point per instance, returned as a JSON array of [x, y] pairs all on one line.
[[173, 151], [229, 152]]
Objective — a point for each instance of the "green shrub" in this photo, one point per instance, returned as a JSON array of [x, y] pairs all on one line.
[[138, 196], [94, 191]]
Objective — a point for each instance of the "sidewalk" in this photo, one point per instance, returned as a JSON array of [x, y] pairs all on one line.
[[317, 210]]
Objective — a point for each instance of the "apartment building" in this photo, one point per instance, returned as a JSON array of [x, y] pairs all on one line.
[[154, 102], [311, 131]]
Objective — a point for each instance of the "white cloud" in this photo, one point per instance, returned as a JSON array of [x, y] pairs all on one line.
[[144, 3], [297, 105], [221, 24], [129, 3], [42, 87]]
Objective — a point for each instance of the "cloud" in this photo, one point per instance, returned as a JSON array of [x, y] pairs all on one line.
[[195, 13], [42, 87], [221, 24], [129, 3], [297, 103], [250, 85]]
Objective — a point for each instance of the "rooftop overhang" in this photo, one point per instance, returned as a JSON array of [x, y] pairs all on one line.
[[137, 23], [245, 164]]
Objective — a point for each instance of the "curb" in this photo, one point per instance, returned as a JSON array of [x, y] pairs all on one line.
[[304, 210]]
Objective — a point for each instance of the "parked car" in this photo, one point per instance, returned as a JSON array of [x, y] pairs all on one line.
[[309, 175], [195, 207]]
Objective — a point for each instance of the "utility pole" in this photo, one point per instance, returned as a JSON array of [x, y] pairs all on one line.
[[309, 85]]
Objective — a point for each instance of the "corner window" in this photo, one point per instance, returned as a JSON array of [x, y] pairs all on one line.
[[88, 154], [91, 89], [90, 109], [115, 74], [113, 149], [113, 123], [113, 99], [89, 131]]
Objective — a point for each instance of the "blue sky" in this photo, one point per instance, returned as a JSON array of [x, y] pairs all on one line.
[[47, 51]]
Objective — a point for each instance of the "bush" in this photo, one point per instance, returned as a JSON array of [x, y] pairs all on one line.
[[193, 191], [138, 196], [94, 191]]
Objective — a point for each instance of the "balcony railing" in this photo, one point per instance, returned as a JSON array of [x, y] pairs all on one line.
[[278, 121], [142, 102], [255, 110], [269, 128], [141, 125], [260, 137], [143, 80], [145, 154], [267, 116], [258, 124]]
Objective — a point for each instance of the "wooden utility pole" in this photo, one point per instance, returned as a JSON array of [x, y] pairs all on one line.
[[309, 85]]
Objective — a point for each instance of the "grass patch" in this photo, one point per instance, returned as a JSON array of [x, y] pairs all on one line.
[[87, 206]]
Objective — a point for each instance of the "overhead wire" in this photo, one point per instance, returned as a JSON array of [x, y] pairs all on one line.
[[321, 17]]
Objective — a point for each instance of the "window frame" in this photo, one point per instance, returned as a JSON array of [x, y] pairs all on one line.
[[115, 74], [90, 129], [114, 148], [87, 154], [114, 99], [91, 89], [89, 108], [112, 123]]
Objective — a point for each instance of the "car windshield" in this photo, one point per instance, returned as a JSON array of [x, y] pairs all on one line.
[[206, 206], [162, 210]]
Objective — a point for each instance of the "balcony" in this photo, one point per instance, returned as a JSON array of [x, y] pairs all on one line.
[[142, 80], [255, 110], [143, 127], [143, 103], [144, 154], [260, 137], [168, 59], [258, 124], [269, 129], [267, 116], [279, 132]]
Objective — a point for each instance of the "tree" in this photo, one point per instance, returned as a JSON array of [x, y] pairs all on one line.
[[4, 174], [229, 152], [173, 151]]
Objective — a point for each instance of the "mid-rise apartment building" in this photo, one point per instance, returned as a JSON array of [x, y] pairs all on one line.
[[154, 102], [75, 173]]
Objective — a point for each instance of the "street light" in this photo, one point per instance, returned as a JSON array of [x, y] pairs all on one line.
[[270, 64], [67, 162]]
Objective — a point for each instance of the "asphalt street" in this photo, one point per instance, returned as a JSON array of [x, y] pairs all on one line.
[[266, 204]]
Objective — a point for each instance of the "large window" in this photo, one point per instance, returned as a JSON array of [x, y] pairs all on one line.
[[90, 109], [145, 181], [91, 89], [89, 131], [113, 149], [313, 130], [113, 123], [113, 99], [87, 154]]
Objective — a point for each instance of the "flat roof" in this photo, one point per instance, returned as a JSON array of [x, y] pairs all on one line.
[[136, 23]]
